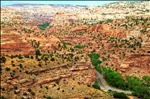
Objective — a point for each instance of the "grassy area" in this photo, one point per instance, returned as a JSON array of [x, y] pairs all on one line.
[[95, 61], [96, 85], [79, 46], [44, 25]]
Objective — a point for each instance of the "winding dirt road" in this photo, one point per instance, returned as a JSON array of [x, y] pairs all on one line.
[[105, 86]]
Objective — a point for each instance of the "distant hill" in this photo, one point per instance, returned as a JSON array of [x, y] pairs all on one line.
[[127, 4]]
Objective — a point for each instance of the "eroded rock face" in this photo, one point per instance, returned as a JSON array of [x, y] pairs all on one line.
[[78, 29], [13, 43], [137, 64], [51, 43], [105, 29], [63, 18]]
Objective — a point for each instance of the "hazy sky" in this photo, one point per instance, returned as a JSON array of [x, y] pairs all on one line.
[[90, 3]]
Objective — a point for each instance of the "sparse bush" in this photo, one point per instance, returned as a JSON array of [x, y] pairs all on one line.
[[20, 65], [120, 95], [40, 65], [38, 52], [13, 64], [2, 97], [29, 90], [7, 69], [96, 85], [41, 86], [33, 93], [26, 56], [46, 87], [52, 59], [79, 46], [44, 96], [49, 97], [0, 69], [25, 94], [26, 72], [2, 59], [19, 56], [32, 57], [89, 85], [57, 81]]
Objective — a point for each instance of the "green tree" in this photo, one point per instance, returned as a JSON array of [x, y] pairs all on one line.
[[38, 52], [120, 95], [2, 59]]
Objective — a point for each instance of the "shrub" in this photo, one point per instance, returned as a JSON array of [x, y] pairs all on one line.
[[37, 52], [41, 86], [32, 57], [7, 69], [2, 97], [96, 85], [0, 69], [26, 56], [44, 25], [25, 94], [44, 96], [104, 59], [40, 65], [29, 90], [20, 65], [79, 46], [95, 62], [49, 97], [58, 88], [93, 55], [2, 59], [32, 93], [19, 56], [13, 64], [120, 95], [46, 87], [52, 59]]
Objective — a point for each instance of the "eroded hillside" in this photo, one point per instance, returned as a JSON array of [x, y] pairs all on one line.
[[45, 53]]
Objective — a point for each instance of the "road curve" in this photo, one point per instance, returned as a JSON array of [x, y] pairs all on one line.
[[105, 87]]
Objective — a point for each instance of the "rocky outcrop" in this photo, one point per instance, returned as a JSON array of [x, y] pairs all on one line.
[[77, 30], [13, 44], [142, 62], [105, 29], [63, 19]]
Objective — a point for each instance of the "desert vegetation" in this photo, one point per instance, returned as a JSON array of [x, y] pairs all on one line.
[[56, 53]]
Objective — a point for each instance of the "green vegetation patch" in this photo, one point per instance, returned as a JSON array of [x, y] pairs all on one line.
[[96, 85], [2, 59], [93, 55], [120, 95], [79, 46], [95, 61], [115, 79], [140, 88], [44, 25]]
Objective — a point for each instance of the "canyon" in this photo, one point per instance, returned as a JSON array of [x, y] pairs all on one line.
[[45, 48]]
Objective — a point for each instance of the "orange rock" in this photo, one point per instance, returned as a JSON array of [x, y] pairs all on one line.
[[105, 29]]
